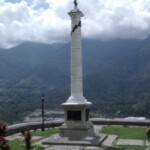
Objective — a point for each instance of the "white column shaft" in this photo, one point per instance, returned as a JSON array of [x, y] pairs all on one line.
[[76, 61]]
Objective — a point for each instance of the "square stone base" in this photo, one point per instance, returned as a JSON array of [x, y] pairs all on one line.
[[76, 131], [94, 140]]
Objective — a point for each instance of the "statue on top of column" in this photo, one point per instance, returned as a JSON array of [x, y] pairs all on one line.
[[75, 4]]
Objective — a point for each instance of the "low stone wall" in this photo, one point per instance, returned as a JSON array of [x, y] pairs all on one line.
[[96, 121], [31, 126], [124, 122]]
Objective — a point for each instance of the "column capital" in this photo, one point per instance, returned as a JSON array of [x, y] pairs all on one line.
[[75, 13]]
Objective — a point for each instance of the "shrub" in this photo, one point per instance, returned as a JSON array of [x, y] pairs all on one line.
[[28, 140], [148, 134], [3, 141]]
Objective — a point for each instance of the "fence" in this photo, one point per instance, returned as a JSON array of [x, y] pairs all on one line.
[[96, 121]]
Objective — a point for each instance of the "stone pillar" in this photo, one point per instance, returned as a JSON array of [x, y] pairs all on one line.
[[76, 58], [76, 120]]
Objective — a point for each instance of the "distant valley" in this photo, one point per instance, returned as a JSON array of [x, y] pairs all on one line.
[[116, 77]]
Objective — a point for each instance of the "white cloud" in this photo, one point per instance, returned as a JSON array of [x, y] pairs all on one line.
[[47, 20], [118, 19]]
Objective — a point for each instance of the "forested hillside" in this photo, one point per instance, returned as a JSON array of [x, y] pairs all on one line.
[[116, 77]]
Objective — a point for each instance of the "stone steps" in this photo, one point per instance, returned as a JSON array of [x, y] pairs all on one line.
[[98, 128], [110, 141], [64, 147], [130, 142], [93, 148], [147, 143], [39, 143]]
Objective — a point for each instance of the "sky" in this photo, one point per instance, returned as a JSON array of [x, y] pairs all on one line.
[[47, 21]]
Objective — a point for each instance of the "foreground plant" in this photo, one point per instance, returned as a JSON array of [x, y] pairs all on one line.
[[148, 134], [3, 141], [28, 140]]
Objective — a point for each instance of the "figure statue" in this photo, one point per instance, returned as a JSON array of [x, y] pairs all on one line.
[[75, 3]]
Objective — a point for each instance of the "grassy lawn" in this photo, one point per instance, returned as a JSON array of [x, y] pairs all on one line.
[[126, 132], [46, 133], [130, 148], [19, 145]]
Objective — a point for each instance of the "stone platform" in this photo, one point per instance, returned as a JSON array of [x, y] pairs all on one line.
[[95, 140]]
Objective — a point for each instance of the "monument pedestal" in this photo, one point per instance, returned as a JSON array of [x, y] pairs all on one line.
[[76, 124], [77, 129]]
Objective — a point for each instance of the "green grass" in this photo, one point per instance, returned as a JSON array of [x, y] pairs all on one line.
[[19, 145], [15, 145], [126, 132], [46, 133], [130, 148]]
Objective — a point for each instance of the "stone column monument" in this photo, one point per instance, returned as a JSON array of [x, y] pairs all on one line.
[[77, 129], [76, 108]]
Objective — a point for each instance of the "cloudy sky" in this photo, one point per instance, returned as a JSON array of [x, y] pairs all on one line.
[[47, 21]]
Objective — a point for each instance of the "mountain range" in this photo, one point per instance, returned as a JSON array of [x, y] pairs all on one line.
[[116, 77]]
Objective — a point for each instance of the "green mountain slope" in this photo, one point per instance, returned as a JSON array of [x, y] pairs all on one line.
[[116, 77], [122, 85], [55, 63]]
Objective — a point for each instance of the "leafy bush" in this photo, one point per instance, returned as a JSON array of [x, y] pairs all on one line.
[[3, 141], [28, 140]]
